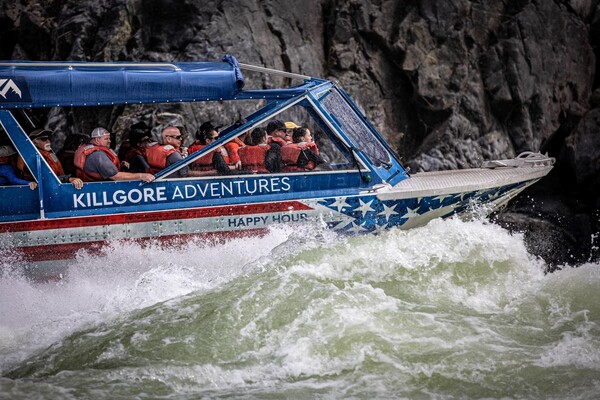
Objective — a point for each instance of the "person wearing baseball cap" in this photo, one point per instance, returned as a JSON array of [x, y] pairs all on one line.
[[277, 132], [41, 139], [140, 139], [289, 130], [96, 161]]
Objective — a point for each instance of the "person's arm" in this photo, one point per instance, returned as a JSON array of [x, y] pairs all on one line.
[[220, 165], [182, 172], [308, 155], [13, 179], [131, 176]]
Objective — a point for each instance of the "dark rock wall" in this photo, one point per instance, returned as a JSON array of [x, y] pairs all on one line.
[[450, 83]]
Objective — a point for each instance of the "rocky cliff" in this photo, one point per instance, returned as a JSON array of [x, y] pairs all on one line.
[[450, 83]]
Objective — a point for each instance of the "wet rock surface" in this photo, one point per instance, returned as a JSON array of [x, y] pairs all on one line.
[[449, 83]]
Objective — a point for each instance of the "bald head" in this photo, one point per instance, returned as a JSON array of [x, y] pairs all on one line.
[[172, 135]]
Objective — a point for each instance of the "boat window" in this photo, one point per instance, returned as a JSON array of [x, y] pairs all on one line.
[[329, 151], [356, 129]]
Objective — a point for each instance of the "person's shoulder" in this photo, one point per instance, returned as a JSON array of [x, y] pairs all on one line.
[[168, 147]]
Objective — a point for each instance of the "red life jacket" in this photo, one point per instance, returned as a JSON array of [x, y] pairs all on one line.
[[132, 153], [205, 163], [290, 154], [253, 157], [277, 139], [232, 150], [50, 158], [157, 156], [81, 155]]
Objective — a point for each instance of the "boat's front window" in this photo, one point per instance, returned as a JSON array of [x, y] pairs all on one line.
[[356, 129]]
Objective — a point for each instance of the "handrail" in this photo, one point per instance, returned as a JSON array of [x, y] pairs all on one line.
[[70, 65], [272, 71], [84, 64]]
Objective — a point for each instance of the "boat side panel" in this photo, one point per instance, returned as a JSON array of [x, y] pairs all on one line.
[[42, 240], [127, 197]]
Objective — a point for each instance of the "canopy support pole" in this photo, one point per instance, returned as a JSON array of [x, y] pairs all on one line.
[[271, 71]]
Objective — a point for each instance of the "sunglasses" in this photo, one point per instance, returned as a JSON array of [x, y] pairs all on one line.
[[176, 137], [45, 139]]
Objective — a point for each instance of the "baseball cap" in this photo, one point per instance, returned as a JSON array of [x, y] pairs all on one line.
[[40, 134], [291, 125], [275, 125], [99, 132]]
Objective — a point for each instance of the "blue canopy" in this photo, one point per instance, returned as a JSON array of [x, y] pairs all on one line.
[[48, 84]]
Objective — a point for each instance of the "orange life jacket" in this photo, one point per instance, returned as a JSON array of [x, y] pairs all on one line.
[[157, 155], [277, 139], [82, 153], [232, 150], [291, 152], [205, 163], [50, 158], [253, 157]]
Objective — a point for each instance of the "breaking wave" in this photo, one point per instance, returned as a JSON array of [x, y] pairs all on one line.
[[452, 309]]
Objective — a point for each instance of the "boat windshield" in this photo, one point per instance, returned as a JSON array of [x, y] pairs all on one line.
[[356, 129]]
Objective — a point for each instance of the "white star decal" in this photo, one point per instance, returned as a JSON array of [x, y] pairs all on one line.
[[340, 204], [493, 196], [364, 208], [341, 225], [411, 213], [381, 228], [441, 198], [423, 219], [355, 228], [388, 211]]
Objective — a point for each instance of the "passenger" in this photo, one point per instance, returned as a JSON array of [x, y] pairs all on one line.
[[234, 145], [67, 153], [160, 156], [214, 161], [289, 129], [277, 139], [302, 154], [139, 140], [41, 140], [97, 162], [277, 133], [259, 156], [127, 144], [7, 170]]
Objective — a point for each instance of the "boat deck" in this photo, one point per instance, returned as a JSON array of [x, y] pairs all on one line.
[[456, 181]]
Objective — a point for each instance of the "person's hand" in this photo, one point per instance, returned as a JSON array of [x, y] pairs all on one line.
[[124, 164], [78, 183], [147, 177], [238, 164], [32, 185]]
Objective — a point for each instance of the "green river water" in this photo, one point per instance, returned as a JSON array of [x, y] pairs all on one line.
[[452, 310]]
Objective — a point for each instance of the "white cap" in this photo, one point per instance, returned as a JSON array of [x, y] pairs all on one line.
[[99, 132]]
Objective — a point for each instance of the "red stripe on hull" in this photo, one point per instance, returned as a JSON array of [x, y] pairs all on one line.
[[152, 216], [55, 252]]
